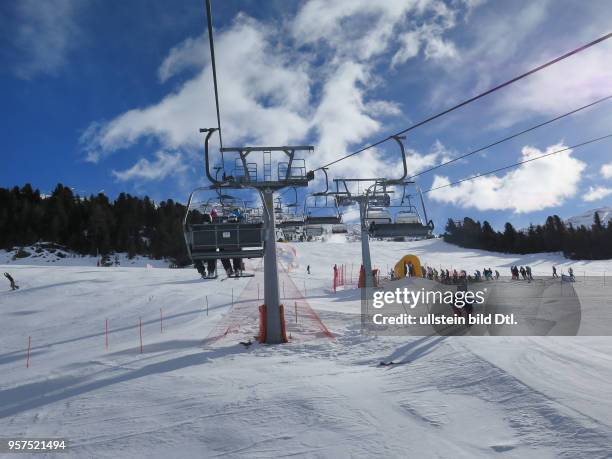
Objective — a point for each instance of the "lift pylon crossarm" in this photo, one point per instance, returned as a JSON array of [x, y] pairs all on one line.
[[286, 149]]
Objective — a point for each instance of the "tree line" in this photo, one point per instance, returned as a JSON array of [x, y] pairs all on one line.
[[577, 243], [95, 225], [92, 225]]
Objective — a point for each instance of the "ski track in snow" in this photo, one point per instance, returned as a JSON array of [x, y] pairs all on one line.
[[447, 397]]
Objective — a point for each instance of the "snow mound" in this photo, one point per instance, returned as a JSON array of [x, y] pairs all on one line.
[[49, 253]]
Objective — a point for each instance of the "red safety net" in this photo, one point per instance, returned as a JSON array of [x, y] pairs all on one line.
[[243, 321]]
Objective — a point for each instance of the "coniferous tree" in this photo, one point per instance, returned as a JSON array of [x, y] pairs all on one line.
[[92, 225], [590, 243]]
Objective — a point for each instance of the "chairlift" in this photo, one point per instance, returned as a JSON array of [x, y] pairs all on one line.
[[378, 216], [321, 209], [289, 219], [407, 223], [228, 235], [313, 230]]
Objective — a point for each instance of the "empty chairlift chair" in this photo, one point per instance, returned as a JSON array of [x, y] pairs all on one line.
[[407, 221], [321, 210]]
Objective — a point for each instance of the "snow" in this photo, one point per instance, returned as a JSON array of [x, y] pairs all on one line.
[[187, 395], [39, 254], [586, 218]]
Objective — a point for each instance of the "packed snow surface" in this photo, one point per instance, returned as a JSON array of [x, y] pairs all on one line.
[[187, 395]]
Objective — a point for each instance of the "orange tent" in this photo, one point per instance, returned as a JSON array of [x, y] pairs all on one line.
[[400, 267]]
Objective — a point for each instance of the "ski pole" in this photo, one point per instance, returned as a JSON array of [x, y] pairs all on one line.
[[28, 354], [140, 329]]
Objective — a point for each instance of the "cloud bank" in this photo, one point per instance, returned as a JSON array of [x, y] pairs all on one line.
[[530, 187]]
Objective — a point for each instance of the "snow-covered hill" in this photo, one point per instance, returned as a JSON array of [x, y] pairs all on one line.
[[185, 395], [586, 218], [53, 254]]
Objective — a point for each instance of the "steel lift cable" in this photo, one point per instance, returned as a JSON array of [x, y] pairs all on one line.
[[472, 99]]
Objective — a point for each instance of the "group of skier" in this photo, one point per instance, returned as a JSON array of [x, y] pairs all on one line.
[[447, 276], [524, 271]]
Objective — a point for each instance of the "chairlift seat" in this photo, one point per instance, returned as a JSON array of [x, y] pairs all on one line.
[[226, 240], [390, 230], [313, 230], [290, 223], [323, 220]]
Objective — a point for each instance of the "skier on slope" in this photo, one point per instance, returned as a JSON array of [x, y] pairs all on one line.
[[555, 272], [12, 281]]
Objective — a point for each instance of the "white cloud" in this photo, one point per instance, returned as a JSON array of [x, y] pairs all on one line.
[[417, 162], [263, 100], [606, 170], [596, 193], [145, 170], [510, 40], [531, 187], [363, 29], [189, 54], [341, 119], [46, 33], [410, 45], [429, 37], [350, 214], [272, 92], [573, 82]]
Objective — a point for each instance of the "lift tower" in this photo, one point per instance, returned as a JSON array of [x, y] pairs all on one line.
[[289, 173]]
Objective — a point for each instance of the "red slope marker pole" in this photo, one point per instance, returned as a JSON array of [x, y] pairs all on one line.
[[28, 354]]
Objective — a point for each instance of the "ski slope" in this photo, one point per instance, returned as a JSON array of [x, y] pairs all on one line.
[[187, 395]]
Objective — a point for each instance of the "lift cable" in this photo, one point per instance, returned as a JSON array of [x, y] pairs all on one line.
[[479, 96], [214, 66], [521, 162], [505, 139]]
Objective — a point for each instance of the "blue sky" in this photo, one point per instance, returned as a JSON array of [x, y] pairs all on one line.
[[109, 96]]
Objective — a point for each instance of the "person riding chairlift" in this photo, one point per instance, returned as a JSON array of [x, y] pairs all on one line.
[[236, 216], [211, 265]]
